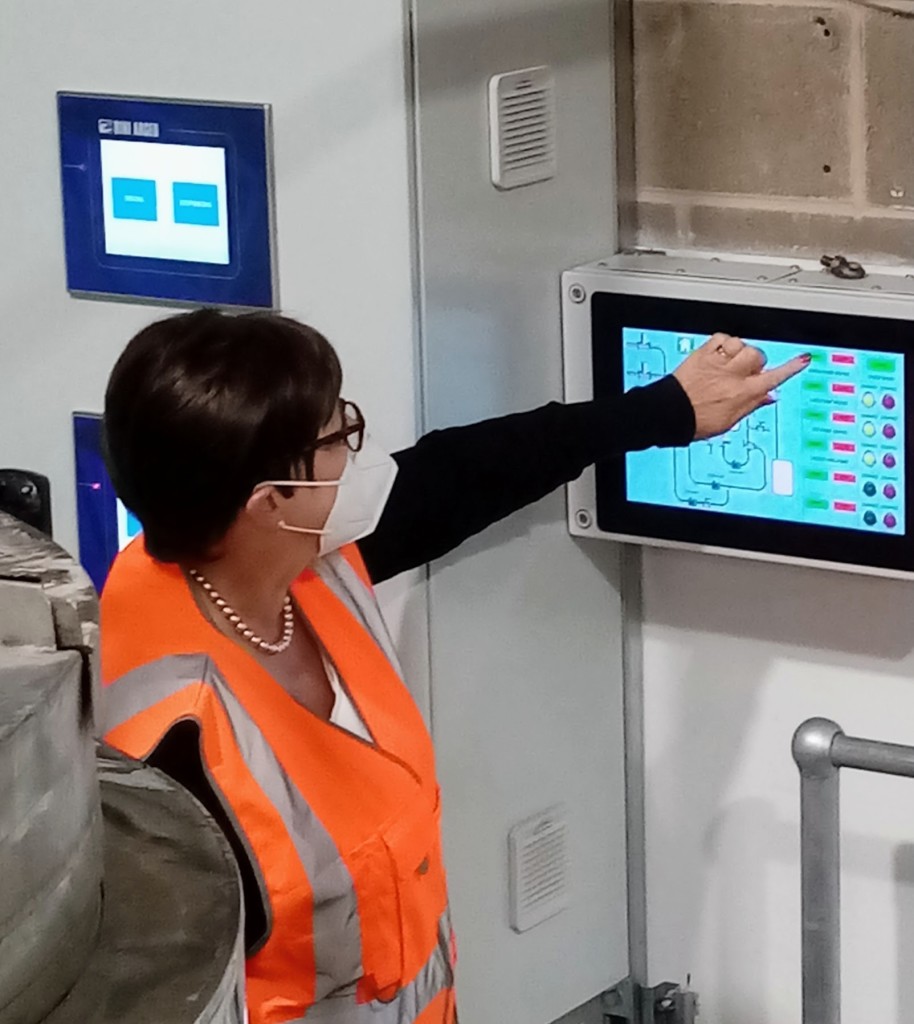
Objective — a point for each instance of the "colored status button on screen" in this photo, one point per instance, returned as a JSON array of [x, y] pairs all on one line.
[[134, 199], [815, 458], [196, 204], [879, 364]]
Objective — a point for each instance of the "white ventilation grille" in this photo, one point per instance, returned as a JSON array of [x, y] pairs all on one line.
[[538, 869], [522, 127]]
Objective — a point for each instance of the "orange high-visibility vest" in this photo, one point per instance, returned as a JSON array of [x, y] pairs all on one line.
[[343, 834]]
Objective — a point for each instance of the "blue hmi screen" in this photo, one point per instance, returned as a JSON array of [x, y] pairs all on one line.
[[105, 524], [822, 474], [829, 453], [167, 200]]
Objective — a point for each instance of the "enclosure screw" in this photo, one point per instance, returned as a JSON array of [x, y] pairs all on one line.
[[583, 518], [577, 293]]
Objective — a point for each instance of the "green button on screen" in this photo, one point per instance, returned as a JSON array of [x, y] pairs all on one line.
[[880, 365]]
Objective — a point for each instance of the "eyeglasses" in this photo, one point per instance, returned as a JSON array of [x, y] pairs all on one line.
[[352, 431]]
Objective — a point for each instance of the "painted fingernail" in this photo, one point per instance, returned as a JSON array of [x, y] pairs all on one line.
[[806, 357]]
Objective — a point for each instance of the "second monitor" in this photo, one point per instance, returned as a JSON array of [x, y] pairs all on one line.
[[822, 475]]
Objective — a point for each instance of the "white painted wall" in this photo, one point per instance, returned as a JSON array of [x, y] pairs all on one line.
[[335, 76], [737, 654], [525, 623]]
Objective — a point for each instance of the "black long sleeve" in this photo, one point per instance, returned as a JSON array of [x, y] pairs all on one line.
[[454, 483]]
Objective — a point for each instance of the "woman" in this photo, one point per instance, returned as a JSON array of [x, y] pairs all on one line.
[[244, 652]]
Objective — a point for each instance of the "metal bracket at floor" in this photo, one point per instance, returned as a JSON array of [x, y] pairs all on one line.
[[667, 1003]]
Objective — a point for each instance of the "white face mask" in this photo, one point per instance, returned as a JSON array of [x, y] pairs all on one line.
[[363, 490]]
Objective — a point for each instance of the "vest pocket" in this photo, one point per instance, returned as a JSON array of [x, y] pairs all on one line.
[[402, 895]]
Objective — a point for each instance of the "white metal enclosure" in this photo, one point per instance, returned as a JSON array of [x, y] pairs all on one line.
[[525, 626]]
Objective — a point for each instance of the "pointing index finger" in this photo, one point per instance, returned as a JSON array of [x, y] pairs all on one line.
[[768, 380]]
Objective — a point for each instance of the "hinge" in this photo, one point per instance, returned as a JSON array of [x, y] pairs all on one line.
[[667, 1003]]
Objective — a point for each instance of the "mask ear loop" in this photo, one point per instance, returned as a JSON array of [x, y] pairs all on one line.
[[281, 523]]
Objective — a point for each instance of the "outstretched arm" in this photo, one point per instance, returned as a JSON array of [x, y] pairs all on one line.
[[454, 483]]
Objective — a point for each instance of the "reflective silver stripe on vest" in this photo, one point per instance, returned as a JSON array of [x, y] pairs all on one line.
[[347, 585], [409, 1003], [337, 934]]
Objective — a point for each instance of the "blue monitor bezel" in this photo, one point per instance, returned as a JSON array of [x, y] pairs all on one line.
[[243, 130], [610, 313]]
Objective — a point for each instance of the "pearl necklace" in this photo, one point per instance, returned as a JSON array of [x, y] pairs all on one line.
[[288, 617]]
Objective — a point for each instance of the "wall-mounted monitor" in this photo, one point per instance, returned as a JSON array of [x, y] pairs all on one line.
[[167, 201], [823, 475], [104, 523]]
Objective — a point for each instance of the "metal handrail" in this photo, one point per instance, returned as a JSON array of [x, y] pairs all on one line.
[[821, 749]]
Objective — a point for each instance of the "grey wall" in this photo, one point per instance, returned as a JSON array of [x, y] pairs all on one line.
[[335, 78], [525, 624], [775, 126]]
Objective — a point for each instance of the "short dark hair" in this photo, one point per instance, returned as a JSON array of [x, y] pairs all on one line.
[[203, 406]]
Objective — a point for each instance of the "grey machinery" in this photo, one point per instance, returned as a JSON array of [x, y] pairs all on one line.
[[121, 900]]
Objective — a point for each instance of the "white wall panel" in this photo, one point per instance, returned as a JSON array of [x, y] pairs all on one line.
[[736, 656], [334, 74], [525, 624]]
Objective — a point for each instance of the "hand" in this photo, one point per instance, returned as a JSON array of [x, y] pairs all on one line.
[[726, 380]]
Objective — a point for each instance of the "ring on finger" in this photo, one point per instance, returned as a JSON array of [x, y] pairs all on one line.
[[731, 347]]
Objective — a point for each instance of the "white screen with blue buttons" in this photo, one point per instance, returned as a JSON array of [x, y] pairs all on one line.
[[165, 202], [168, 200]]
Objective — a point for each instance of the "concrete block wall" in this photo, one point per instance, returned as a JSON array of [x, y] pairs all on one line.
[[776, 126]]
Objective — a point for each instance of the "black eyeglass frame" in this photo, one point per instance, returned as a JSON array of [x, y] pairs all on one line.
[[354, 427]]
